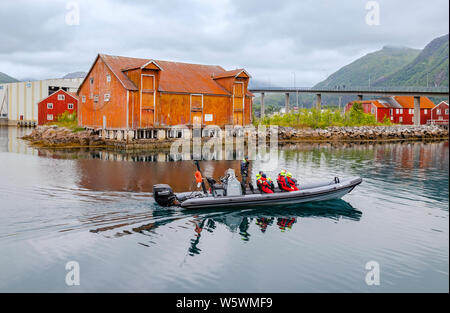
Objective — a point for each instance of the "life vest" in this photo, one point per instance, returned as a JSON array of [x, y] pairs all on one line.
[[271, 184], [280, 180], [198, 177], [285, 185], [291, 183], [265, 186]]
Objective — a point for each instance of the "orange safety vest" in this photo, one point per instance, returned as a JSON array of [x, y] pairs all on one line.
[[198, 177]]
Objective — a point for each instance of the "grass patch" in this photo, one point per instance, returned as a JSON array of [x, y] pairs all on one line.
[[68, 120], [314, 118]]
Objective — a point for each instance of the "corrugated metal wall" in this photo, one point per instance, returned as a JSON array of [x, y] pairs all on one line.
[[23, 97]]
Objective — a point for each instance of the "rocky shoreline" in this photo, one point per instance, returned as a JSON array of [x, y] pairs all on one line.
[[54, 137], [364, 133]]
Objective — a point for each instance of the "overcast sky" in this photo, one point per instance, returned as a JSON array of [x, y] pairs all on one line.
[[271, 39]]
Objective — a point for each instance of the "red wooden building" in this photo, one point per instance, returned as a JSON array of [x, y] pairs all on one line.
[[439, 114], [121, 93], [407, 102], [398, 109], [54, 105]]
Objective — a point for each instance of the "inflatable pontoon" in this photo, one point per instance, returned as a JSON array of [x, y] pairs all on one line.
[[231, 194]]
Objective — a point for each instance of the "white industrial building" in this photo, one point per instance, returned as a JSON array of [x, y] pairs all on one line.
[[19, 101]]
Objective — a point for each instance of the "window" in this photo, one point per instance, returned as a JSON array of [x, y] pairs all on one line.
[[49, 105], [411, 111], [373, 111], [106, 97], [61, 97], [396, 111], [83, 99], [91, 80], [49, 117], [438, 111], [446, 111], [401, 119], [95, 98], [425, 111], [28, 85], [401, 111], [391, 111], [108, 78], [70, 106], [1, 87]]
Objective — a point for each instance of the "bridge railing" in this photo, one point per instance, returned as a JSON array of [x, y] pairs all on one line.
[[417, 89]]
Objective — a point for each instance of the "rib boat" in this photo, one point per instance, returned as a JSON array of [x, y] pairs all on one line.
[[231, 194]]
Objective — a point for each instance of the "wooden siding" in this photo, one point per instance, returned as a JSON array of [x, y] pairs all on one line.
[[220, 108], [58, 106], [92, 112], [147, 105]]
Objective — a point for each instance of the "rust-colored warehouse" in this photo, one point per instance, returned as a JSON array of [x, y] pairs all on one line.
[[121, 93]]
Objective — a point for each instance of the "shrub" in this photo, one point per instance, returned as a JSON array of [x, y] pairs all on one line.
[[315, 118]]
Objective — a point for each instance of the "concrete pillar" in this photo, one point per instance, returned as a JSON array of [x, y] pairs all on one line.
[[318, 101], [360, 97], [161, 134], [416, 118], [262, 104], [287, 103], [186, 133], [119, 135]]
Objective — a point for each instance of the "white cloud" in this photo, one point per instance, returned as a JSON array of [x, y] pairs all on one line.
[[270, 39]]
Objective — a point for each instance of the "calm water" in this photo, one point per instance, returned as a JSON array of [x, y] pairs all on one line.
[[95, 207]]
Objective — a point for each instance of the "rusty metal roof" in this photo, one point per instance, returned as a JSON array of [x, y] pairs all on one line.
[[408, 102], [174, 76], [232, 73]]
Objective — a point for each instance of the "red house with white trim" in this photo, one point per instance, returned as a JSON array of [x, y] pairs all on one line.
[[398, 109], [407, 102], [439, 114], [56, 104]]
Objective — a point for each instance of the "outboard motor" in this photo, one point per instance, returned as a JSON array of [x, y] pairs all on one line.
[[164, 195]]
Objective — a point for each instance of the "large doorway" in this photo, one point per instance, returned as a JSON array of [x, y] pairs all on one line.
[[196, 110], [147, 100], [238, 103]]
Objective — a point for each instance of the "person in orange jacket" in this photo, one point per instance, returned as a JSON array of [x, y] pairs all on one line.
[[265, 186], [291, 182]]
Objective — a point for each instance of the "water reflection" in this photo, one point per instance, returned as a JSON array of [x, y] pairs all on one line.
[[139, 171], [95, 206], [280, 218]]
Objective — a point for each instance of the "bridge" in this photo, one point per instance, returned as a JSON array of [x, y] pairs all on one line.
[[360, 92]]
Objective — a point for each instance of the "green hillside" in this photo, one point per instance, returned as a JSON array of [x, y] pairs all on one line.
[[430, 66], [373, 66], [6, 79], [390, 66]]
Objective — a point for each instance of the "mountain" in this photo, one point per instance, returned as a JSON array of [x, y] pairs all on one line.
[[430, 66], [390, 66], [373, 66], [75, 75], [6, 79]]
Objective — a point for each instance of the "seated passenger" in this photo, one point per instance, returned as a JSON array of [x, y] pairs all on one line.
[[272, 185], [265, 186], [280, 179], [269, 180], [286, 183], [258, 183], [291, 181]]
